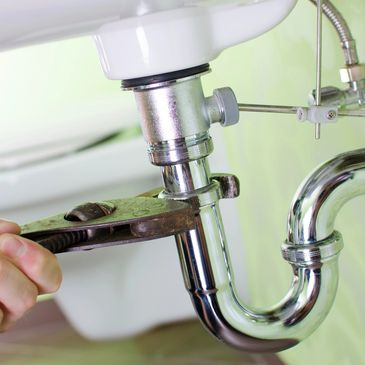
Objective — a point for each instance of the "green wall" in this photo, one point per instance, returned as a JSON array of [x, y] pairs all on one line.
[[271, 154]]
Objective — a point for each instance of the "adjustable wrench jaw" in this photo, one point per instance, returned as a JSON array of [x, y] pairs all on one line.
[[110, 223]]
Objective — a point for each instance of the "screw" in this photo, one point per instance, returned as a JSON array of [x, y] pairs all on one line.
[[332, 114], [302, 114]]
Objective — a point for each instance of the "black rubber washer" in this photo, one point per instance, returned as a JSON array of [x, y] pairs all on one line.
[[148, 80]]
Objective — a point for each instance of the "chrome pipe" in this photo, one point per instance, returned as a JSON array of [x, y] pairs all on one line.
[[209, 278], [346, 100], [203, 251], [258, 108], [322, 195]]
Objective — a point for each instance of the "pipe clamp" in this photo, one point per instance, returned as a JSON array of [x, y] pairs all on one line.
[[313, 253]]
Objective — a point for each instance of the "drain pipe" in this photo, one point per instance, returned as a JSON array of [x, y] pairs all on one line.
[[322, 196], [176, 118]]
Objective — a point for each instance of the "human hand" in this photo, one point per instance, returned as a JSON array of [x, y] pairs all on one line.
[[26, 270]]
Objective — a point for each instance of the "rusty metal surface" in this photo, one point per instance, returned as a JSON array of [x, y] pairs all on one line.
[[230, 185], [88, 211], [133, 220], [116, 222]]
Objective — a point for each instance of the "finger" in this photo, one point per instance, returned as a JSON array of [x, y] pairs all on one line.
[[2, 318], [17, 293], [8, 227], [36, 262]]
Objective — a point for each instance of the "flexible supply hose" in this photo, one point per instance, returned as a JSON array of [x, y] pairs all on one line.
[[343, 30]]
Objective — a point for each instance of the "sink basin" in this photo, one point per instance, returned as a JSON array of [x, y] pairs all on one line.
[[137, 38]]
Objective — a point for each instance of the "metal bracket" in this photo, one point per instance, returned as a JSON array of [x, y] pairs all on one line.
[[229, 185], [318, 114]]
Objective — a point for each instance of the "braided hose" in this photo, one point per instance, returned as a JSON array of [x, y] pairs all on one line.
[[347, 42]]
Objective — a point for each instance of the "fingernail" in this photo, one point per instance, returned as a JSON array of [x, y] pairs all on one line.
[[12, 246], [8, 227]]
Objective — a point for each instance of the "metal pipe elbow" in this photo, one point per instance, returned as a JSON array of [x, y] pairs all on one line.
[[312, 249], [320, 198], [209, 280]]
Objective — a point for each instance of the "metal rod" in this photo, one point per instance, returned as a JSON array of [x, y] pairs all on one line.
[[286, 109], [352, 113], [318, 64], [281, 109]]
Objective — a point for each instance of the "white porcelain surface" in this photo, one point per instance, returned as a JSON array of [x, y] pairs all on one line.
[[24, 22], [141, 38], [185, 37], [42, 138]]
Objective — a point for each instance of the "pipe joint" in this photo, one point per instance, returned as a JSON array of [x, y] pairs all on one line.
[[177, 151], [199, 198], [314, 254], [352, 73], [176, 118]]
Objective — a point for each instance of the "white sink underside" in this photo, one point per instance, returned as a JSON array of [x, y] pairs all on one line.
[[141, 38]]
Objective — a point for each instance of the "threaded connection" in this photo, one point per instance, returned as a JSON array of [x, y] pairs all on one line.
[[314, 253], [180, 150]]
